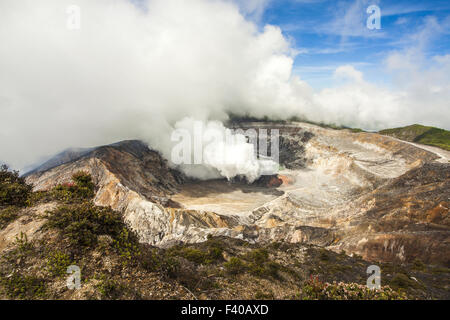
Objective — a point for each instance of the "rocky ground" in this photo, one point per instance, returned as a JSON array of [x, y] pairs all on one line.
[[37, 248]]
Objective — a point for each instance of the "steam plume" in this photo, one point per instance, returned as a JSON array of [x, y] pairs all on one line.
[[130, 72]]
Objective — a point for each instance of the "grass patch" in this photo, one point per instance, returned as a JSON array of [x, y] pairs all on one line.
[[421, 134]]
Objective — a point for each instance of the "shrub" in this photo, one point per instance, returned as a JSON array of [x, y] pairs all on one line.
[[168, 266], [314, 289], [57, 263], [235, 266], [23, 246], [82, 188], [259, 295], [13, 189], [18, 256], [258, 256], [19, 286], [213, 255], [260, 264], [418, 265], [324, 255], [82, 223], [402, 281], [7, 215], [109, 288], [126, 245], [271, 269]]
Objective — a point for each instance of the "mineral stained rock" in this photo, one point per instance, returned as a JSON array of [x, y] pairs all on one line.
[[367, 194]]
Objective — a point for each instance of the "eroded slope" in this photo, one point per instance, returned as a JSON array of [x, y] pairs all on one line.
[[341, 190]]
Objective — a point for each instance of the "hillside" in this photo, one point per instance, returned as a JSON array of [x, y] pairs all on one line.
[[44, 232], [421, 134], [342, 201], [334, 182]]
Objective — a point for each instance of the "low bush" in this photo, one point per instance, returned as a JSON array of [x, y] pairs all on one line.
[[314, 289], [17, 286], [235, 266], [82, 188], [57, 263], [7, 215], [109, 288], [14, 191], [212, 255], [127, 246], [83, 223], [402, 281]]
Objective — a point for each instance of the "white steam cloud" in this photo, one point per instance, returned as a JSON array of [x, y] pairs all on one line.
[[210, 150], [130, 72]]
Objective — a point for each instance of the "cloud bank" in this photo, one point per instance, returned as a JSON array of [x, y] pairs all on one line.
[[134, 73]]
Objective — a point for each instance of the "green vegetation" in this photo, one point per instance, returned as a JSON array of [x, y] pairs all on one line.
[[235, 266], [15, 283], [421, 134], [116, 266], [16, 194], [213, 255], [22, 244], [79, 219], [402, 281], [314, 289], [19, 286], [57, 263], [83, 223], [7, 215], [110, 289], [256, 262], [82, 188], [126, 244], [13, 189]]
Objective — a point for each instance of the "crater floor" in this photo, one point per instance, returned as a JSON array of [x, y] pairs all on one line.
[[223, 197]]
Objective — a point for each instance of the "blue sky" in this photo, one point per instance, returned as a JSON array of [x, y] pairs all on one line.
[[328, 34]]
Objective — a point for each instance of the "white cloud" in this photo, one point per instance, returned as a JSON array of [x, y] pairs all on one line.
[[253, 8], [129, 73], [348, 72], [401, 20]]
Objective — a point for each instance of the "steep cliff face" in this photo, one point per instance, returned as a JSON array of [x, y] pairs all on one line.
[[365, 193], [137, 181]]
